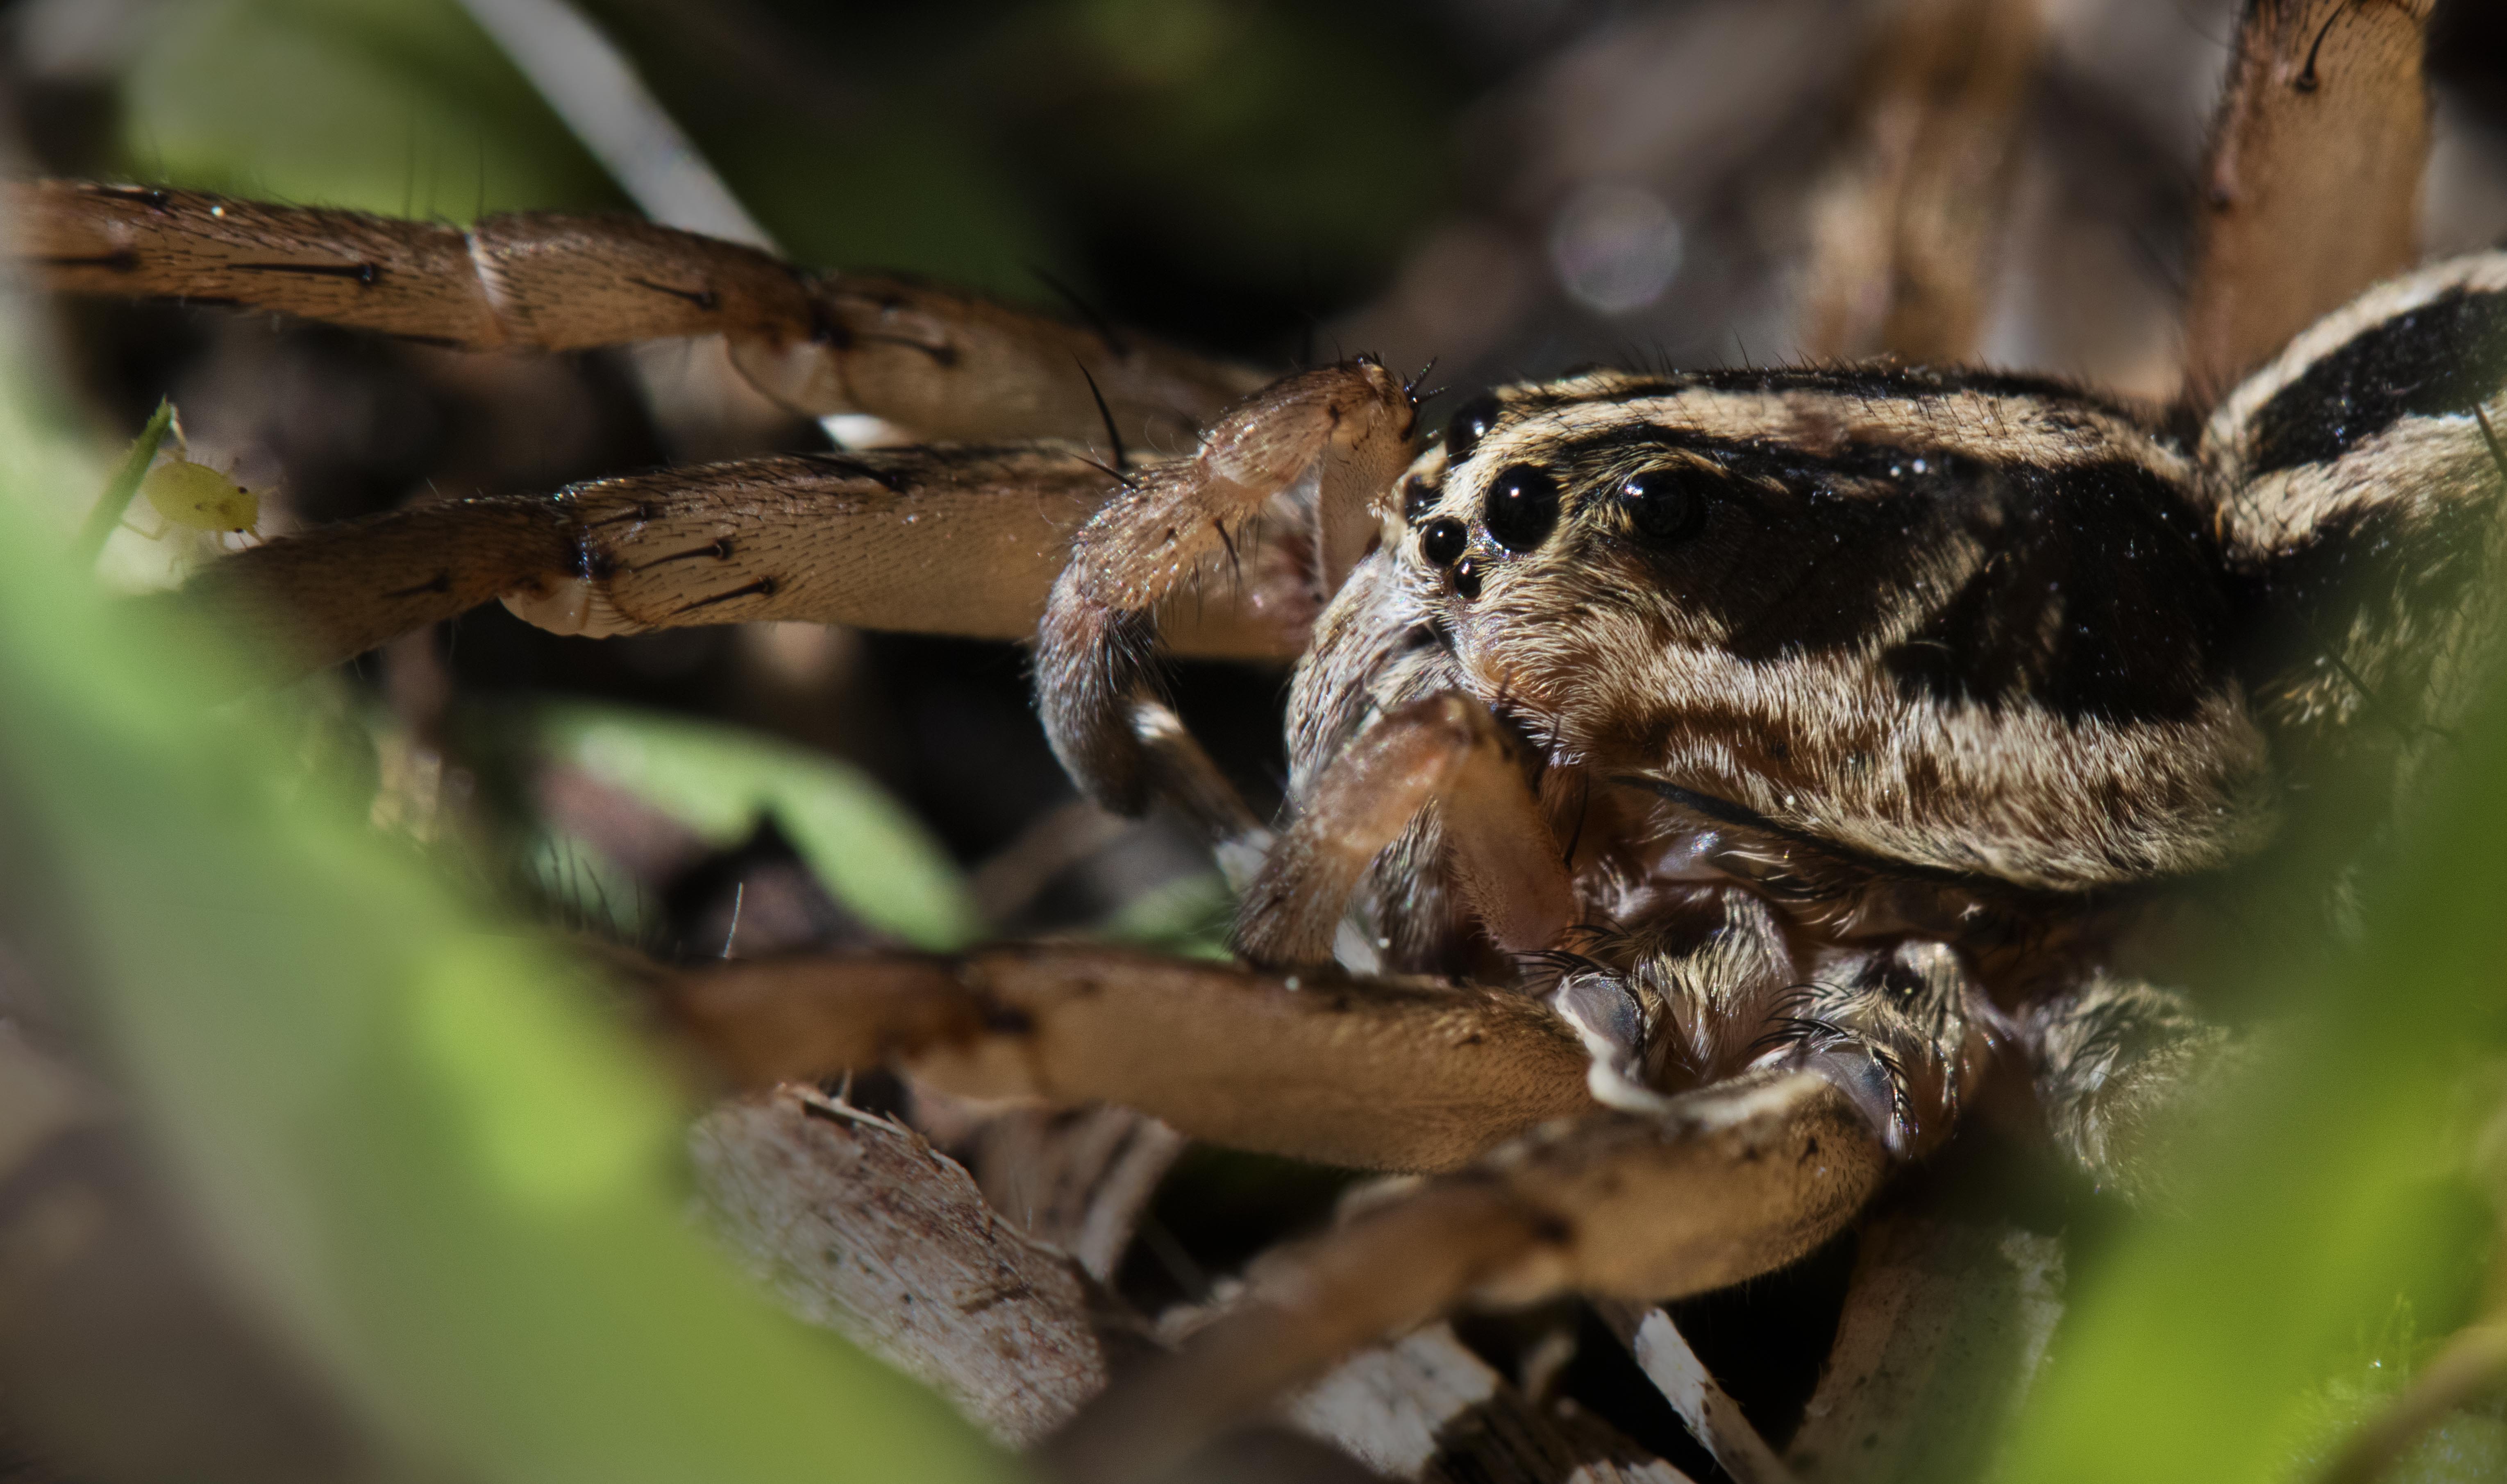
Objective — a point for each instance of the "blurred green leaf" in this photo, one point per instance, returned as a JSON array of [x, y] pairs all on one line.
[[453, 1180], [720, 781], [1283, 145], [585, 887], [1147, 151], [2216, 1347], [399, 106], [1189, 916]]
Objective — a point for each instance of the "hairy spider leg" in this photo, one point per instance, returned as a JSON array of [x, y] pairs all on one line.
[[963, 540], [1444, 752], [1717, 1186], [1347, 426], [2310, 189], [1698, 1191], [1382, 1075], [943, 364]]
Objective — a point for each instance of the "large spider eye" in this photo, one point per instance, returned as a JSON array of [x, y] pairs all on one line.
[[1661, 504], [1469, 424], [1523, 507]]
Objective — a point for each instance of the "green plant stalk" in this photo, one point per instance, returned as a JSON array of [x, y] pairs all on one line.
[[125, 484]]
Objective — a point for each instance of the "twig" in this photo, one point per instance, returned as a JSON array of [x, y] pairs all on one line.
[[2472, 1363]]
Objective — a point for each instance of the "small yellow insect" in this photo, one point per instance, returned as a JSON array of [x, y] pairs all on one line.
[[197, 497], [188, 495]]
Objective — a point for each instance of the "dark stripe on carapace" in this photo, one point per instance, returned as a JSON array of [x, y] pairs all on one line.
[[2447, 356], [2094, 590], [763, 587], [364, 274], [2098, 595], [1789, 552]]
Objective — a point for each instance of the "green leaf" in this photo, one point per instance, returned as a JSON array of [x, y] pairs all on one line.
[[403, 107], [1189, 916], [720, 781], [401, 1119], [2215, 1348]]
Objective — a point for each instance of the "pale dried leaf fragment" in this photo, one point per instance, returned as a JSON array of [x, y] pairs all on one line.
[[1945, 1328], [858, 1224], [1076, 1178], [1713, 1417], [1424, 1408]]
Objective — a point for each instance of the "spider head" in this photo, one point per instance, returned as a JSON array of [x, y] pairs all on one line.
[[1963, 623]]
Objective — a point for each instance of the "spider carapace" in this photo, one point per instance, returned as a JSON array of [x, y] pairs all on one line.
[[1702, 785], [1864, 698]]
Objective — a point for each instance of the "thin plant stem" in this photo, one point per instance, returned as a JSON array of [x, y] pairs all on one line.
[[125, 484]]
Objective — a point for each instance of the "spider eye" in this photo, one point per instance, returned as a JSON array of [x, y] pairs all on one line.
[[1471, 421], [1661, 505], [1418, 498], [1443, 540], [1523, 507]]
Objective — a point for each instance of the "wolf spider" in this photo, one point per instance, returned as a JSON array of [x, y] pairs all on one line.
[[1705, 785]]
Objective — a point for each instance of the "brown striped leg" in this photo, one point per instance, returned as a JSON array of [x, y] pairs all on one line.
[[1906, 227], [963, 541], [1446, 752], [2312, 188], [1180, 525], [1726, 1183], [1377, 1073], [943, 364]]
